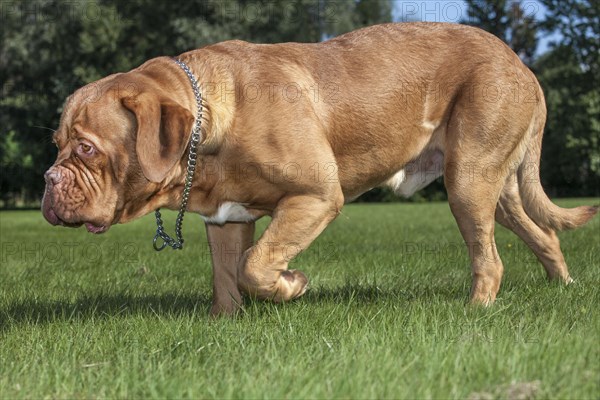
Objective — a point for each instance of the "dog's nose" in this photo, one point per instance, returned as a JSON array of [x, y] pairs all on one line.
[[53, 176]]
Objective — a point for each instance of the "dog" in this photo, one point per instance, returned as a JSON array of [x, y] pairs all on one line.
[[295, 131]]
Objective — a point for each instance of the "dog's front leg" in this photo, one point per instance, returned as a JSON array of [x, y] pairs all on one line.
[[227, 245], [297, 221]]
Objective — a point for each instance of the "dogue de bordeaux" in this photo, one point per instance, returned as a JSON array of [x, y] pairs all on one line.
[[297, 130]]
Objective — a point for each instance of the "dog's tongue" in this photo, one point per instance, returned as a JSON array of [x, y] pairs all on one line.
[[94, 229]]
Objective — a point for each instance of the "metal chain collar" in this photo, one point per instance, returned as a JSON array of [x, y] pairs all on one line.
[[167, 240]]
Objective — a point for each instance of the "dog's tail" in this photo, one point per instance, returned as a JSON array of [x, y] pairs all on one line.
[[535, 202]]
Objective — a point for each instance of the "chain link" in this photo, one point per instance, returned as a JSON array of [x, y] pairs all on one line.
[[177, 242]]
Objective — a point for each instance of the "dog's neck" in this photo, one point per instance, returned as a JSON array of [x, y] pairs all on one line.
[[216, 118]]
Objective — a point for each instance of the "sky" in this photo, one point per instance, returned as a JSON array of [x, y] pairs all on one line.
[[456, 10]]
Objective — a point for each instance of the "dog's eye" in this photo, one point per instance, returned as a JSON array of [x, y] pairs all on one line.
[[85, 149]]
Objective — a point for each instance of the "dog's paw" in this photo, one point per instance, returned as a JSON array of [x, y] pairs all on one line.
[[288, 285], [292, 284]]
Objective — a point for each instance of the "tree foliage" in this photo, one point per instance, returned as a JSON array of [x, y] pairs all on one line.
[[578, 22], [509, 20], [570, 74]]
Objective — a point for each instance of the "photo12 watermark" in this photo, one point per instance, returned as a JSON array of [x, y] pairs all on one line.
[[52, 253]]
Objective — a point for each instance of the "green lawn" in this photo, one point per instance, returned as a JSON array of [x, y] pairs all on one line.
[[84, 316]]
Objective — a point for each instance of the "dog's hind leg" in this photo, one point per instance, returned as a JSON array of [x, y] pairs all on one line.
[[543, 242], [473, 205], [480, 148]]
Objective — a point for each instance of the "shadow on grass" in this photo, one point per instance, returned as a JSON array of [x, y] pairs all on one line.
[[168, 305], [171, 305], [365, 294]]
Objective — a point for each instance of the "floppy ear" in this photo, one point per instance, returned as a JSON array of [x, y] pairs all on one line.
[[163, 132]]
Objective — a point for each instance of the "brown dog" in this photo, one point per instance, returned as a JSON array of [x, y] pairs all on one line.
[[296, 130]]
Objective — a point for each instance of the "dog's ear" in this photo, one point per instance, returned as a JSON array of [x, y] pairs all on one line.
[[163, 132]]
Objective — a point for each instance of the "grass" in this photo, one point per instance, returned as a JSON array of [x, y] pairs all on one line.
[[85, 316]]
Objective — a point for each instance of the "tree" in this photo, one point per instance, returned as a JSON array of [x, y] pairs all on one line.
[[507, 20], [490, 15], [578, 22], [523, 31], [569, 74]]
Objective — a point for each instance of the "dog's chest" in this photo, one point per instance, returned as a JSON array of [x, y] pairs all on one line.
[[229, 212]]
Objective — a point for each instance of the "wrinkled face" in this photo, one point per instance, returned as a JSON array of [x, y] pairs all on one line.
[[85, 184], [114, 150]]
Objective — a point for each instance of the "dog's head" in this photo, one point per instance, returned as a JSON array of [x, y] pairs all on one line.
[[119, 142]]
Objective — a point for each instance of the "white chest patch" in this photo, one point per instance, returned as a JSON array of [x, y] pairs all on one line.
[[229, 212]]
